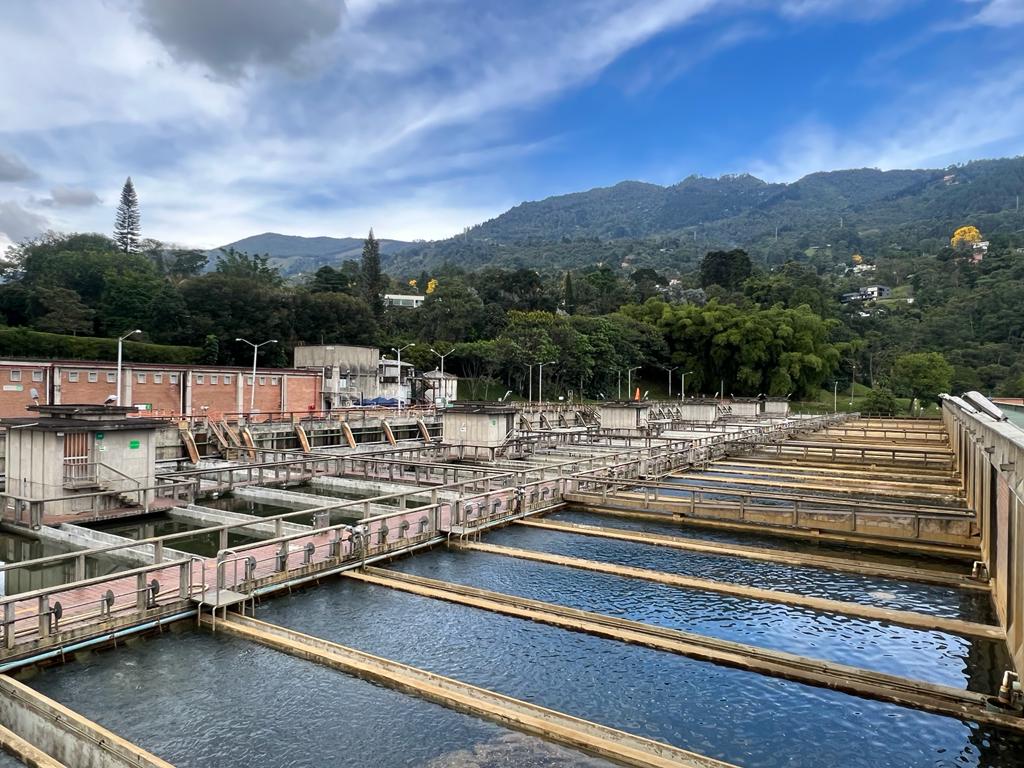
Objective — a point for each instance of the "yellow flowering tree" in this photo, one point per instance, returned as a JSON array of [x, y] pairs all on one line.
[[431, 286], [965, 237]]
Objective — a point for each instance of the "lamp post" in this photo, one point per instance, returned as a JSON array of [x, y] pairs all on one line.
[[529, 384], [398, 352], [540, 380], [669, 371], [682, 394], [120, 344], [444, 381], [252, 385], [835, 398], [629, 381]]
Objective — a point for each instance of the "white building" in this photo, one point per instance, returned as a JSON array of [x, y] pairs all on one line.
[[441, 390], [403, 300]]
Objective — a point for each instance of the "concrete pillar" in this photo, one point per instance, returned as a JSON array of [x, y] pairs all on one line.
[[240, 393], [126, 385], [186, 379], [284, 393]]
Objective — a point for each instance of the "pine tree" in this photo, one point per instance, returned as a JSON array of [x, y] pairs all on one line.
[[569, 295], [126, 223], [371, 279]]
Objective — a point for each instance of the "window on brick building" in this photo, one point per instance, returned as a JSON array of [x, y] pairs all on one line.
[[93, 376], [227, 378], [200, 378], [141, 378], [263, 380], [15, 375], [158, 378], [213, 378], [174, 378], [273, 380], [111, 377], [72, 377], [37, 375], [248, 380]]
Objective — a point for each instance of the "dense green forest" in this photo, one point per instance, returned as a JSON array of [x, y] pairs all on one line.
[[767, 320]]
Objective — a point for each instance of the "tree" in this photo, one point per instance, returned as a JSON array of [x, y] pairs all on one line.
[[568, 295], [921, 376], [126, 224], [965, 237], [241, 264], [879, 402], [211, 349], [63, 312], [371, 280], [725, 268]]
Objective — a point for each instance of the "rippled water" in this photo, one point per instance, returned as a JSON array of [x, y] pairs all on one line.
[[931, 656], [208, 701], [745, 718], [816, 582], [764, 540], [15, 548], [205, 544]]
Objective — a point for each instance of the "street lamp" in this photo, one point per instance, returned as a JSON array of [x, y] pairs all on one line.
[[540, 381], [835, 398], [669, 371], [618, 383], [120, 344], [252, 383], [682, 394], [629, 380], [398, 352], [444, 381]]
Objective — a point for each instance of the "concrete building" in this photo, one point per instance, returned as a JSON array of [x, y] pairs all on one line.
[[744, 407], [159, 389], [351, 374], [699, 410], [104, 456], [776, 406], [395, 384], [481, 425]]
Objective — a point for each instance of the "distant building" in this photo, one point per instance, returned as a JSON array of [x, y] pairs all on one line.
[[868, 293], [440, 390], [403, 300]]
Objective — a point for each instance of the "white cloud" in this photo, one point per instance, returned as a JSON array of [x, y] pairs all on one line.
[[1000, 13], [935, 129], [18, 223]]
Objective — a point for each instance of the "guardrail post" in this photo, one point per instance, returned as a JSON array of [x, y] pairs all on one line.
[[223, 544], [141, 592], [80, 568], [185, 579], [44, 616], [9, 626]]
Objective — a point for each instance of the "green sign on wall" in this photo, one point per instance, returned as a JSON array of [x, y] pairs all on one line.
[[133, 444]]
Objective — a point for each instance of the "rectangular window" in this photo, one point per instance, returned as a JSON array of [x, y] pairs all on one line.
[[200, 378], [158, 378], [249, 380], [93, 377], [111, 377], [72, 377], [140, 378], [15, 375], [213, 378], [263, 380], [273, 380], [174, 378], [227, 378], [37, 375]]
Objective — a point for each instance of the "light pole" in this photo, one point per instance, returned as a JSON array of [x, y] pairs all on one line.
[[398, 352], [835, 398], [682, 394], [529, 385], [444, 381], [540, 380], [629, 381], [255, 351], [120, 343], [669, 371]]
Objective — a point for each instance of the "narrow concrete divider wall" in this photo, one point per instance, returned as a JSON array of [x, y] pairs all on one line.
[[66, 736]]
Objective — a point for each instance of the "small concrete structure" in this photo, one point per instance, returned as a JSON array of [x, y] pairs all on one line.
[[628, 416], [699, 410], [776, 406], [80, 460], [744, 407], [350, 374], [441, 390], [483, 425]]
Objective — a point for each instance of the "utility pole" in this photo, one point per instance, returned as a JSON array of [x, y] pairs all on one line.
[[669, 370], [529, 397], [618, 385], [255, 351], [835, 398], [629, 381], [682, 394], [853, 381], [444, 381], [120, 343], [398, 352]]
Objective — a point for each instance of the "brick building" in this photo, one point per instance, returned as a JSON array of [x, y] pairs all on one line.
[[163, 390]]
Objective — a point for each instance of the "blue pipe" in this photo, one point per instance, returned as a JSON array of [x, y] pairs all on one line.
[[96, 640]]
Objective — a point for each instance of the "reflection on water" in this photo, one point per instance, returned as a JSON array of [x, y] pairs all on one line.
[[15, 548], [208, 701], [204, 544], [231, 503]]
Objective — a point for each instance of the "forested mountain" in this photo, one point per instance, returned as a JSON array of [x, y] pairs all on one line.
[[294, 255], [668, 228]]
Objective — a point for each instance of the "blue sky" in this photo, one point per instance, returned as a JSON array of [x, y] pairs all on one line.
[[422, 117]]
